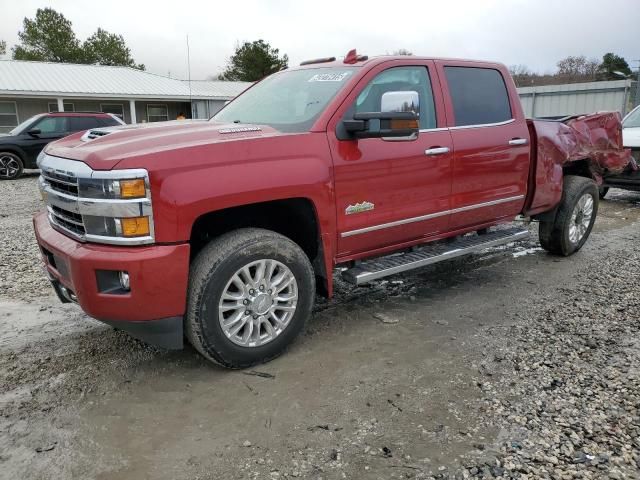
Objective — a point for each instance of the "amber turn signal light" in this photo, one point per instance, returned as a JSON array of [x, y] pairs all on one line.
[[132, 188], [135, 226], [404, 124]]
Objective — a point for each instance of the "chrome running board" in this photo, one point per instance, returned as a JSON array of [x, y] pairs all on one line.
[[376, 268]]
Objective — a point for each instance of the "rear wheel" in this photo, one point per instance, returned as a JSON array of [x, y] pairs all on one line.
[[250, 294], [11, 166], [569, 230]]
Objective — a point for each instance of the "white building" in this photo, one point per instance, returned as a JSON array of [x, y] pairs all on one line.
[[29, 88]]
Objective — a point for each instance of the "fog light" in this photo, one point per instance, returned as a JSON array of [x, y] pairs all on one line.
[[124, 280]]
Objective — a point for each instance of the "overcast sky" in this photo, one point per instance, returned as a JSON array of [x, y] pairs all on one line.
[[535, 33]]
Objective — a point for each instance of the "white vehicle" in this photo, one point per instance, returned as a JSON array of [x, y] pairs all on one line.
[[631, 131], [629, 179]]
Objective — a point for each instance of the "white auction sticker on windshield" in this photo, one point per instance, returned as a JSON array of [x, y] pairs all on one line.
[[329, 77]]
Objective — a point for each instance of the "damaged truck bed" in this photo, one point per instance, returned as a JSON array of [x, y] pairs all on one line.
[[587, 145]]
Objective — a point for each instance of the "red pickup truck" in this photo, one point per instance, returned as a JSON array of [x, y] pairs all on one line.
[[224, 231]]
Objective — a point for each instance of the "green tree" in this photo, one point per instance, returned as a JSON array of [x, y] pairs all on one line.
[[3, 47], [104, 48], [613, 63], [252, 61], [48, 37]]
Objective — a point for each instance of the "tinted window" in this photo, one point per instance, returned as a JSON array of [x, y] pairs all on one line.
[[400, 79], [77, 124], [109, 122], [51, 125], [479, 95]]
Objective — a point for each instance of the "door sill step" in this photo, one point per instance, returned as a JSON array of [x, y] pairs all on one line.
[[369, 270]]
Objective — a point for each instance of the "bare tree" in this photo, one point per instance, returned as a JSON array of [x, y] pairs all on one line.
[[402, 51], [522, 75], [577, 68]]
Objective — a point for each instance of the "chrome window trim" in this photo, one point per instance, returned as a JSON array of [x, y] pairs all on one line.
[[463, 127], [429, 216], [439, 129], [482, 125]]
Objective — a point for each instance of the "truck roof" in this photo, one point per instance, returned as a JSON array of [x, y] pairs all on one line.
[[362, 60]]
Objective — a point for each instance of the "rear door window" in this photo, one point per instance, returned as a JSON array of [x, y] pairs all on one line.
[[77, 124], [109, 122], [479, 96]]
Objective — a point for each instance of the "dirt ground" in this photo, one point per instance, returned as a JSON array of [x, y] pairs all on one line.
[[490, 366]]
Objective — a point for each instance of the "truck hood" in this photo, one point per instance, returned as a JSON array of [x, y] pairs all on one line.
[[104, 148], [631, 137]]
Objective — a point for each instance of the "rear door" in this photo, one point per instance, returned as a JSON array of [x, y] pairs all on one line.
[[392, 191], [490, 140]]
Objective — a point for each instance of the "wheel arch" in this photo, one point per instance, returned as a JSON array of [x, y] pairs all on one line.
[[295, 218], [15, 150]]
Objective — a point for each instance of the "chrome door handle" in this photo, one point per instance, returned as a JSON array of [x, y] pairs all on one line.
[[436, 151], [517, 141]]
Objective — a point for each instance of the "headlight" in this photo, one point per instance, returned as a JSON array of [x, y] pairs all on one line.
[[111, 206], [108, 188]]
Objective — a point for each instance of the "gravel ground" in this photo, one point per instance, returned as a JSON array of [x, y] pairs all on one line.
[[508, 364], [568, 393], [20, 268]]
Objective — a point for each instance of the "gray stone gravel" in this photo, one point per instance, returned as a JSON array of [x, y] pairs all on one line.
[[568, 393], [547, 387], [21, 274]]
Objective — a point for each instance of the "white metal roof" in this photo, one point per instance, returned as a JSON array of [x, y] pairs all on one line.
[[73, 80]]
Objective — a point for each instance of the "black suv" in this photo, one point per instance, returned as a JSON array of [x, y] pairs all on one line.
[[20, 147]]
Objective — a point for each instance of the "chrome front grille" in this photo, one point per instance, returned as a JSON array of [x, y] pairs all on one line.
[[61, 182], [69, 189], [68, 220], [59, 186]]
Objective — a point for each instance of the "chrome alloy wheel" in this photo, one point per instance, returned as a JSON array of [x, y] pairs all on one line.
[[580, 218], [258, 303], [9, 166]]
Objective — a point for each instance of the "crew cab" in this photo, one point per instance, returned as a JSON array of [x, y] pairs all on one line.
[[224, 231], [20, 148], [629, 179]]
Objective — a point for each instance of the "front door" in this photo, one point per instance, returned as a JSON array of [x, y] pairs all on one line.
[[392, 191], [51, 128]]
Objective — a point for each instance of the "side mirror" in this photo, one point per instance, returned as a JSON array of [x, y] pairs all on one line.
[[34, 132], [398, 117]]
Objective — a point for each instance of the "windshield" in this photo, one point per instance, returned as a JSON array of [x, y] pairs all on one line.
[[289, 101], [17, 130], [633, 119]]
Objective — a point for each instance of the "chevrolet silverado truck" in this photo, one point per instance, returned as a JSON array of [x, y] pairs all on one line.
[[224, 231]]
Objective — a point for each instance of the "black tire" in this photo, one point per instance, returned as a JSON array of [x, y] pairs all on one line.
[[554, 234], [213, 268], [11, 166], [602, 192]]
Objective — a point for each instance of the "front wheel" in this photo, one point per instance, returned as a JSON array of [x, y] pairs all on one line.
[[250, 294], [10, 166], [569, 230]]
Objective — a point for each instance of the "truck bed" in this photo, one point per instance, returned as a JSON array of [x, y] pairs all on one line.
[[589, 145]]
